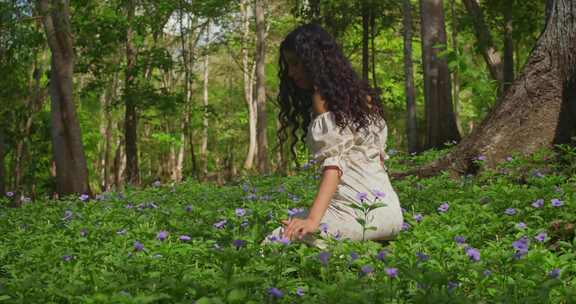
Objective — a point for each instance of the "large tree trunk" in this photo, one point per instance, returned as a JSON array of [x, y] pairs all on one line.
[[411, 126], [71, 169], [537, 111], [440, 120], [485, 42], [263, 160], [131, 115]]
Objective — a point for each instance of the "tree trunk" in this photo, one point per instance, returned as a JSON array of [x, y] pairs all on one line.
[[2, 159], [248, 74], [131, 114], [508, 76], [440, 121], [411, 126], [71, 169], [485, 43], [365, 40], [537, 111], [456, 73], [204, 145], [263, 160]]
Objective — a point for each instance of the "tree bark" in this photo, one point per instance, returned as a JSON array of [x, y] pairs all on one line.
[[508, 76], [440, 119], [485, 42], [248, 76], [204, 145], [131, 114], [411, 125], [537, 111], [71, 169], [365, 40], [263, 159]]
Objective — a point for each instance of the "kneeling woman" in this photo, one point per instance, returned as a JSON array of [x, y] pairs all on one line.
[[344, 128]]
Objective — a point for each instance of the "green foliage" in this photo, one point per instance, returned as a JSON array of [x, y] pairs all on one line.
[[73, 251]]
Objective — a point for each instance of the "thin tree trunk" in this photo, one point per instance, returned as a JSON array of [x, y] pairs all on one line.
[[263, 160], [248, 76], [2, 159], [537, 111], [71, 168], [365, 40], [411, 125], [131, 114], [204, 145], [485, 42], [440, 119], [372, 48], [456, 73], [508, 76]]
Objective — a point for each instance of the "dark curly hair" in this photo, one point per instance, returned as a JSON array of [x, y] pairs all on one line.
[[332, 74]]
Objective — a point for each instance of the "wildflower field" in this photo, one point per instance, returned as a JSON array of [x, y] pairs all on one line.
[[502, 236]]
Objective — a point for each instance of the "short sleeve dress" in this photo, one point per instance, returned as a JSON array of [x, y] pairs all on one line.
[[357, 157]]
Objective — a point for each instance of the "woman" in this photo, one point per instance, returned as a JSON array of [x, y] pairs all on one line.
[[343, 125]]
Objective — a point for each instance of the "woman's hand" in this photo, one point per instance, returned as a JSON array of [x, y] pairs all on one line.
[[297, 228]]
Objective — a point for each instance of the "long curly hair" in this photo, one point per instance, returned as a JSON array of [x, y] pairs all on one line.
[[337, 83]]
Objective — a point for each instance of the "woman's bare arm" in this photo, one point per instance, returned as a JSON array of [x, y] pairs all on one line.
[[328, 185]]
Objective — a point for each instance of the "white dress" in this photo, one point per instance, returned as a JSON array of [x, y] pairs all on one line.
[[357, 155]]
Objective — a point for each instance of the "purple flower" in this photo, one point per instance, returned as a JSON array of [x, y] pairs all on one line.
[[128, 206], [323, 227], [9, 194], [296, 211], [481, 158], [537, 173], [353, 256], [556, 202], [473, 254], [392, 272], [443, 207], [239, 243], [240, 212], [367, 269], [188, 208], [541, 236], [138, 246], [67, 258], [521, 246], [405, 226], [220, 224], [284, 240], [459, 239], [184, 238], [245, 187], [244, 224], [554, 273], [275, 292], [337, 235], [521, 225], [67, 215], [509, 158], [162, 235], [83, 232], [452, 285], [403, 209], [323, 257], [361, 196], [300, 292], [487, 272], [156, 183], [281, 189], [84, 197], [378, 193], [422, 257], [381, 255], [539, 203], [418, 217], [510, 211]]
